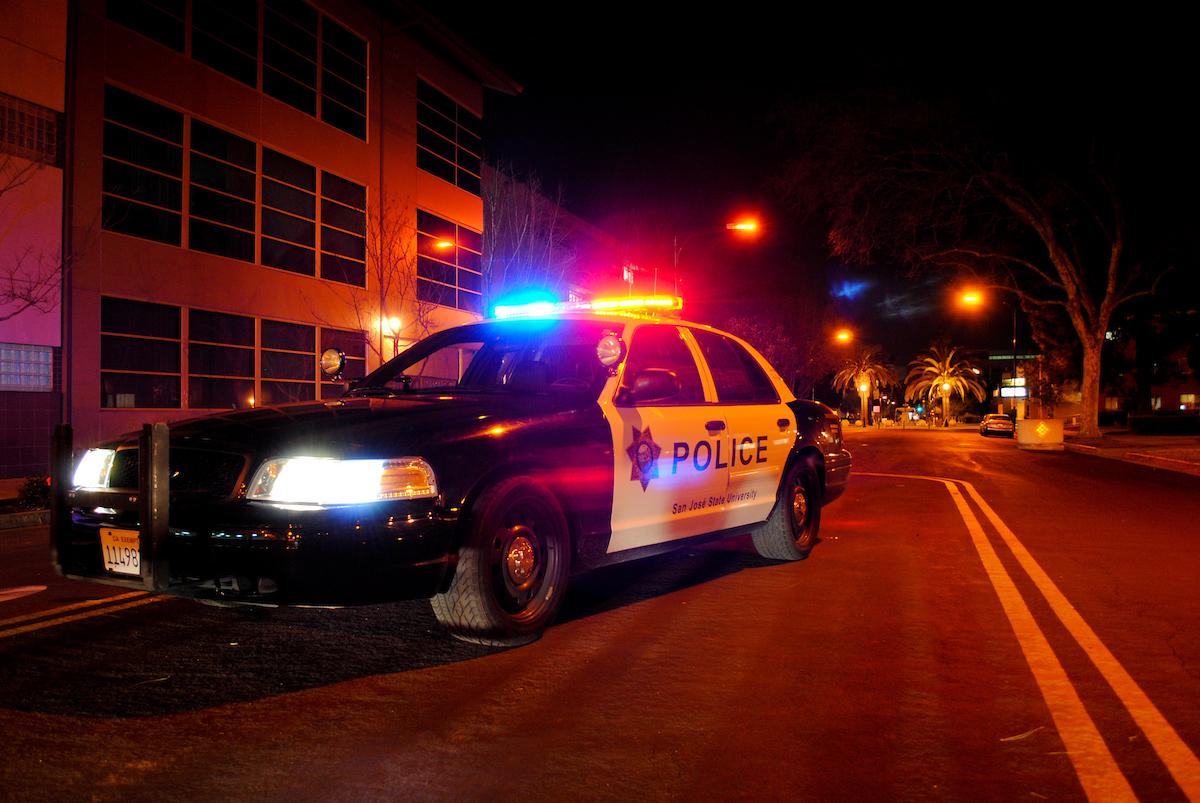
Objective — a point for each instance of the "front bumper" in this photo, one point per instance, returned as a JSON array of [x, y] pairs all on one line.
[[235, 550]]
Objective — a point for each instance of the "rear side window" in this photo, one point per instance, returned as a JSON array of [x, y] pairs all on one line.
[[660, 346], [737, 375]]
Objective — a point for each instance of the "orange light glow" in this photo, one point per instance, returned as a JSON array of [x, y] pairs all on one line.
[[443, 244], [971, 298], [656, 303], [746, 225], [393, 325], [844, 336]]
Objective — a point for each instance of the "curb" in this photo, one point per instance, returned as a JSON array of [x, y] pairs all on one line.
[[27, 518], [1141, 458]]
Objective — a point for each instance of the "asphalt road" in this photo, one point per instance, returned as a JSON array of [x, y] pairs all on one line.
[[1030, 633]]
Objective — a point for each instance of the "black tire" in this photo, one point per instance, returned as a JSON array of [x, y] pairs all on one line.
[[792, 529], [512, 568]]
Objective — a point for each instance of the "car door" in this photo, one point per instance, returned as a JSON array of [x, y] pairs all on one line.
[[761, 428], [666, 484]]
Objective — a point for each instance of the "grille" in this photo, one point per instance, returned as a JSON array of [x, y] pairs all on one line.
[[192, 471]]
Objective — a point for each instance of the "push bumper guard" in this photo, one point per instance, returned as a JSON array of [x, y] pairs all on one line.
[[152, 503]]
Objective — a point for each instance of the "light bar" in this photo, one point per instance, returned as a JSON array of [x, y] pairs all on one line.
[[626, 306]]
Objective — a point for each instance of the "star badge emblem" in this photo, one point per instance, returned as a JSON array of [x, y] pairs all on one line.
[[643, 454]]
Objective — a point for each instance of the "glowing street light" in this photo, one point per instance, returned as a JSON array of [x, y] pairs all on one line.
[[394, 326], [971, 298], [746, 225], [843, 335]]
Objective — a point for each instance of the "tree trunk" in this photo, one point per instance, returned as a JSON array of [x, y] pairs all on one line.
[[862, 397], [1089, 387], [945, 409]]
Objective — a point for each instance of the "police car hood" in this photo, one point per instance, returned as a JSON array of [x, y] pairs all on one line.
[[372, 427]]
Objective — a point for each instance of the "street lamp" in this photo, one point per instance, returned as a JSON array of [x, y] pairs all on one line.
[[393, 326], [843, 335], [973, 298], [746, 228]]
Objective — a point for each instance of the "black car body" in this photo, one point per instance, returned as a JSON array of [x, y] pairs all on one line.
[[538, 441]]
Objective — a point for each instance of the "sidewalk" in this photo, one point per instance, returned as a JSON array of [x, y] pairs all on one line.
[[1170, 452]]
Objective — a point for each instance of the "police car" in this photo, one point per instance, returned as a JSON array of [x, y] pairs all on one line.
[[481, 468]]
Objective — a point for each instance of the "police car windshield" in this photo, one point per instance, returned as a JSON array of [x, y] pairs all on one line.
[[518, 356]]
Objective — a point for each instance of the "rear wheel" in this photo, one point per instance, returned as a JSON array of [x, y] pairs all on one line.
[[512, 569], [791, 531]]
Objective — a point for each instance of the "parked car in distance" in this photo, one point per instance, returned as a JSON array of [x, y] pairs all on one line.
[[996, 424]]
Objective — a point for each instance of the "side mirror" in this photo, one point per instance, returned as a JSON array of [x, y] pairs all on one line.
[[333, 362], [650, 385]]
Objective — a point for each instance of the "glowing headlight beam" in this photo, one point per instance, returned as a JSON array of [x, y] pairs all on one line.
[[322, 481], [93, 469]]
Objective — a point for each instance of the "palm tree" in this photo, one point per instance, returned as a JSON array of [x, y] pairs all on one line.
[[941, 373], [865, 373]]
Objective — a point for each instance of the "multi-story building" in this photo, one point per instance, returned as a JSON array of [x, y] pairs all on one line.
[[32, 81], [250, 183]]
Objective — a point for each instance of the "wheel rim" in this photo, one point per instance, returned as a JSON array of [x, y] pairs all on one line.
[[800, 515], [523, 556]]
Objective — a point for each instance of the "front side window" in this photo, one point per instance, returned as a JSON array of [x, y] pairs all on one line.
[[660, 346]]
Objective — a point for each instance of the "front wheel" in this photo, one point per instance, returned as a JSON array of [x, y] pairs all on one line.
[[791, 531], [512, 569]]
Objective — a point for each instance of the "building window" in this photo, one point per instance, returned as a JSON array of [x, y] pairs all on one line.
[[305, 55], [30, 131], [449, 263], [225, 37], [354, 346], [290, 54], [289, 362], [343, 79], [139, 354], [221, 193], [289, 213], [220, 360], [1187, 401], [24, 367], [448, 139], [143, 167], [161, 20], [343, 230], [1112, 403], [1156, 402]]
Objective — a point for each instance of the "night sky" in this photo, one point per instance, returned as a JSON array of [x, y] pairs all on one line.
[[654, 123]]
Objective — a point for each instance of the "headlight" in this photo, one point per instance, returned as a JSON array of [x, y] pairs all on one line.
[[325, 481], [93, 469]]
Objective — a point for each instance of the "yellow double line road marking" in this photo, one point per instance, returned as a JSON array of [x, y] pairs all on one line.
[[1094, 764], [63, 615]]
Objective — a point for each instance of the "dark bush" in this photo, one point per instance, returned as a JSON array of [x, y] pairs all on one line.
[[1166, 423], [34, 494]]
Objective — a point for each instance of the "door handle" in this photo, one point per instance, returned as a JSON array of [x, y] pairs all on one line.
[[714, 426], [784, 423]]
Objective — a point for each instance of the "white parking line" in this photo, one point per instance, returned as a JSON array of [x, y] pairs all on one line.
[[16, 592], [54, 612], [1097, 770], [16, 631]]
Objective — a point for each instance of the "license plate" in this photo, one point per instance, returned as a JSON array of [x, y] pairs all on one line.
[[120, 550]]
